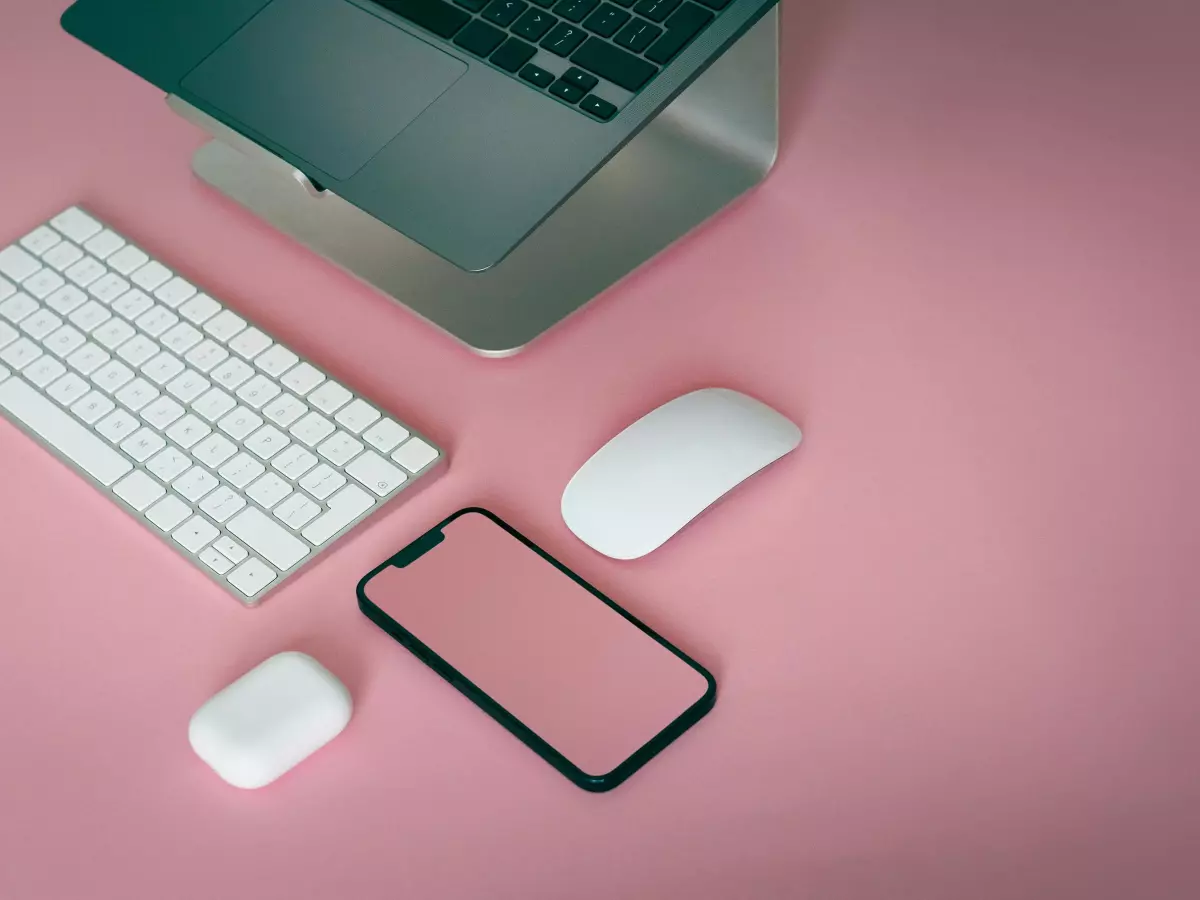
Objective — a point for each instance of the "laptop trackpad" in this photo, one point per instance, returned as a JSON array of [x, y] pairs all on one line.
[[325, 79]]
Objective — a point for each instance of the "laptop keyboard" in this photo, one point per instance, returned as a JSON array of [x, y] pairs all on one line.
[[590, 54]]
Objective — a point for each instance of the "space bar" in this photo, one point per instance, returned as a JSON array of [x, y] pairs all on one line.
[[441, 18], [62, 432]]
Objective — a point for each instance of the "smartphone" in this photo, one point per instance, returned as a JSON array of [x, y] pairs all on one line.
[[579, 680]]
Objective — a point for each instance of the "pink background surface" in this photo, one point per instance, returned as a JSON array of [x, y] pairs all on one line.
[[956, 634]]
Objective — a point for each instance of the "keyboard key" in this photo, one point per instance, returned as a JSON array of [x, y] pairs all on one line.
[[138, 350], [614, 64], [504, 12], [132, 304], [479, 38], [168, 513], [579, 78], [181, 338], [188, 386], [564, 90], [655, 10], [537, 77], [605, 21], [156, 320], [161, 413], [296, 511], [376, 473], [85, 271], [514, 54], [195, 534], [231, 373], [356, 416], [113, 333], [104, 245], [6, 289], [266, 442], [8, 334], [40, 240], [600, 108], [249, 343], [127, 260], [68, 389], [385, 435], [162, 368], [329, 397], [285, 410], [175, 292], [473, 5], [62, 256], [302, 378], [61, 432], [432, 15], [151, 276], [415, 455], [17, 307], [66, 299], [240, 423], [112, 376], [563, 39], [138, 489], [276, 361], [214, 560], [339, 448], [40, 324], [241, 470], [199, 309], [258, 391], [225, 325], [21, 353], [194, 483], [76, 224], [142, 444], [206, 355], [87, 359], [214, 450], [682, 26], [344, 507], [117, 426], [253, 575], [312, 429], [323, 481], [272, 540], [108, 288], [90, 315], [16, 264], [213, 404], [42, 284], [169, 464], [188, 431], [229, 548], [574, 10], [533, 25], [92, 407], [43, 371], [222, 503], [137, 394], [293, 462]]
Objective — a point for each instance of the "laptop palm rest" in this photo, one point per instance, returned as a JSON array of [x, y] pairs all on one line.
[[287, 74]]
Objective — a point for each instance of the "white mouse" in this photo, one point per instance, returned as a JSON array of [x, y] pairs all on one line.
[[666, 468]]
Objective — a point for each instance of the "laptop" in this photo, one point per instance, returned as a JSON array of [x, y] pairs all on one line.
[[461, 125]]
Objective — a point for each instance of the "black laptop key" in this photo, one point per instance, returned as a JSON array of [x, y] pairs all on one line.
[[614, 64], [575, 10], [473, 5], [441, 18], [533, 25], [683, 25], [637, 35], [504, 12], [536, 76], [564, 38], [598, 107], [480, 38], [513, 54], [564, 90], [655, 10], [606, 20], [716, 4], [580, 79]]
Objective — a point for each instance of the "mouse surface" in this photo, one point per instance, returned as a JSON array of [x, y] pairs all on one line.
[[666, 468]]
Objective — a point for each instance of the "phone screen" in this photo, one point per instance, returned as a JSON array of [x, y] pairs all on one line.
[[585, 679]]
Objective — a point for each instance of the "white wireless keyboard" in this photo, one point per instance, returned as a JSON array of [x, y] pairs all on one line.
[[246, 459]]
